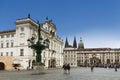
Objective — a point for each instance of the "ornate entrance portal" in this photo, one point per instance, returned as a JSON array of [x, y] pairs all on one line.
[[2, 66], [95, 61], [52, 63]]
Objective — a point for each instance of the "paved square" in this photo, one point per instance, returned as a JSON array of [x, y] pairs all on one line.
[[58, 74]]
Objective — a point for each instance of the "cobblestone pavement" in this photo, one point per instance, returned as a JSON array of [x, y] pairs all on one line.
[[58, 74]]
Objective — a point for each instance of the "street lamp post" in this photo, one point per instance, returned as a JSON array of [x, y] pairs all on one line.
[[39, 45]]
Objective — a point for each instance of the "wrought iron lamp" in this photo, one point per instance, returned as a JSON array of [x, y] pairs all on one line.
[[39, 45]]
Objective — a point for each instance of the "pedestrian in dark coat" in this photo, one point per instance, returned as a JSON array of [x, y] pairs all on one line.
[[65, 68], [92, 66], [115, 66], [68, 68]]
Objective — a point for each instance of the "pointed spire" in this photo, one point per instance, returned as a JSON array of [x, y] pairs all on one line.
[[47, 18], [29, 15], [66, 43], [74, 43], [38, 22]]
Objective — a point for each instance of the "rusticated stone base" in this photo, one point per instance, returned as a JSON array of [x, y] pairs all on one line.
[[39, 68]]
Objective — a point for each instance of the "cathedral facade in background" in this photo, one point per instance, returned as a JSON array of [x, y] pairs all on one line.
[[78, 55]]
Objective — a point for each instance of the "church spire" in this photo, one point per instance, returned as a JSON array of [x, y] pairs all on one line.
[[66, 43], [28, 15], [74, 43], [81, 44], [47, 19]]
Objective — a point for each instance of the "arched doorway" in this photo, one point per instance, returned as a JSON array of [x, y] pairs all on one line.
[[52, 63], [2, 66], [95, 61], [33, 63]]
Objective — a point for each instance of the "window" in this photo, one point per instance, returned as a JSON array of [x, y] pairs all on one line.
[[11, 44], [1, 45], [22, 28], [2, 36], [12, 35], [34, 53], [21, 52], [11, 53], [1, 54], [6, 53], [22, 34], [74, 55], [7, 36], [65, 55], [7, 45]]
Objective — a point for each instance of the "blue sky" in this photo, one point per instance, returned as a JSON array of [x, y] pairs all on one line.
[[96, 21]]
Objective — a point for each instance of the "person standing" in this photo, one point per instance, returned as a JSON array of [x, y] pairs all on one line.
[[92, 66], [115, 66], [68, 68]]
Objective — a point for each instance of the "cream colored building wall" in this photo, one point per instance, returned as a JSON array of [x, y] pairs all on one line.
[[8, 61], [20, 42], [70, 57], [113, 55]]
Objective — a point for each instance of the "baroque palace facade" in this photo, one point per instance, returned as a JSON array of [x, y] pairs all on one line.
[[80, 56], [14, 50]]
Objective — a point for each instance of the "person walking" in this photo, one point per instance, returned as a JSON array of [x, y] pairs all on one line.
[[65, 68], [68, 68], [115, 66], [92, 66]]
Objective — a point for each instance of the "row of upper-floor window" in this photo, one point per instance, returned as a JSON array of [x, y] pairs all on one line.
[[91, 55], [7, 36], [22, 52], [55, 46], [100, 56], [110, 53], [70, 59], [70, 56], [69, 51], [11, 53], [83, 61], [6, 54], [2, 45]]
